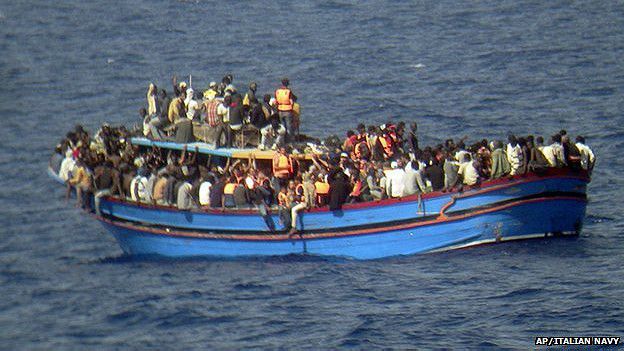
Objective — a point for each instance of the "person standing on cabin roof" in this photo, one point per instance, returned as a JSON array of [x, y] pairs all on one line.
[[236, 117], [177, 109], [250, 96], [223, 111], [284, 99], [211, 92], [153, 108]]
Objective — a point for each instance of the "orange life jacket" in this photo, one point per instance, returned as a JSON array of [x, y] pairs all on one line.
[[322, 193], [282, 97], [357, 189], [282, 166], [387, 144]]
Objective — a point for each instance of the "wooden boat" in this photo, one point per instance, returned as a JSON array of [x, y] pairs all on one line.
[[520, 207]]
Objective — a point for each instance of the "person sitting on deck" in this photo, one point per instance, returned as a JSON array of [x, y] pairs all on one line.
[[587, 155], [571, 153], [304, 199], [228, 193], [467, 171], [514, 154], [500, 163], [396, 177]]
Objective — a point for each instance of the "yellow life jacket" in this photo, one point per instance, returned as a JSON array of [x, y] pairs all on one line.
[[282, 97], [229, 188]]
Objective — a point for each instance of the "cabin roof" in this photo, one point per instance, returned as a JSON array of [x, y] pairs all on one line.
[[209, 149]]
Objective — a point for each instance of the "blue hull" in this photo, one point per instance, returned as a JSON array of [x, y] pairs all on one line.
[[512, 220], [352, 216]]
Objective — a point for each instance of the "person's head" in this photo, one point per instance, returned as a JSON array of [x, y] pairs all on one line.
[[539, 140], [563, 132], [285, 82], [227, 100], [565, 139], [350, 133], [580, 139], [253, 86], [361, 128], [282, 150], [556, 138], [227, 79]]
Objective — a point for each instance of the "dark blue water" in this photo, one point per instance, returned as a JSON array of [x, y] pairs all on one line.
[[459, 68]]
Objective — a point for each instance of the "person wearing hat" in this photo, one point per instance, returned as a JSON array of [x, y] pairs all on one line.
[[284, 99], [211, 92], [395, 182]]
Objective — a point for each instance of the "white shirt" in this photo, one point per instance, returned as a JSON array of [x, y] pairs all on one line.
[[184, 200], [67, 166], [514, 156], [459, 155], [138, 188], [193, 106], [394, 182], [469, 172], [558, 151], [587, 155], [204, 193], [224, 112], [410, 186], [549, 154]]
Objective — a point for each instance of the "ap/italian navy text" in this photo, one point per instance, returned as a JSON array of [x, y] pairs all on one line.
[[577, 340]]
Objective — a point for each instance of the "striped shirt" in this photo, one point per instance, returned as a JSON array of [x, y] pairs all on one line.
[[211, 113]]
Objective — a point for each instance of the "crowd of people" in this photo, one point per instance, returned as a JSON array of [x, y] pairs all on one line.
[[222, 109], [369, 163]]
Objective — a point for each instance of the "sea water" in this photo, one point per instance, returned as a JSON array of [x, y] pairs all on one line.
[[478, 69]]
